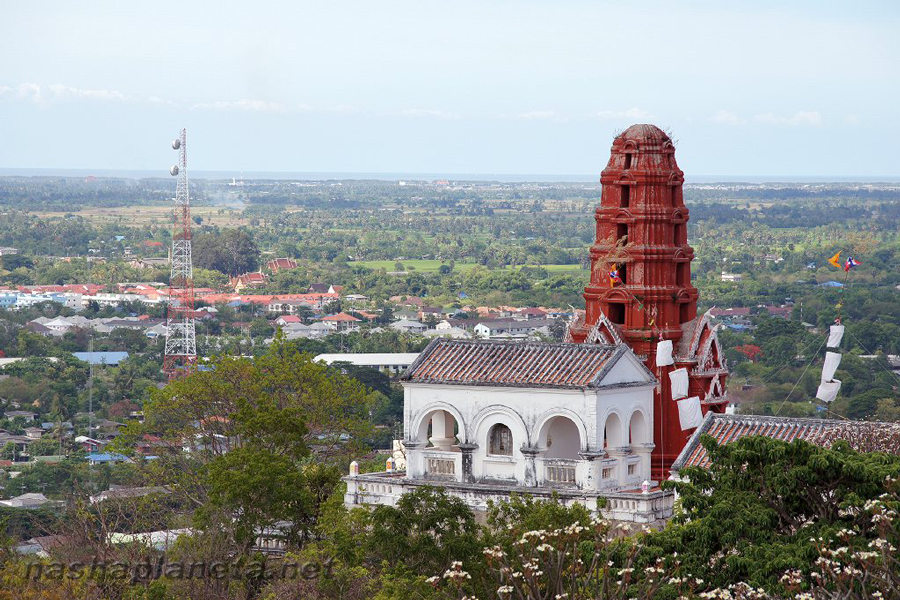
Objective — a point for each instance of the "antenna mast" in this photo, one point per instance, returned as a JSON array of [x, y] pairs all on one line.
[[181, 340]]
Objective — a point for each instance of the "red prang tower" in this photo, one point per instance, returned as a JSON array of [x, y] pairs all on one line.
[[642, 235]]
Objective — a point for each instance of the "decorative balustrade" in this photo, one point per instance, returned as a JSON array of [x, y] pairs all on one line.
[[560, 472], [440, 465]]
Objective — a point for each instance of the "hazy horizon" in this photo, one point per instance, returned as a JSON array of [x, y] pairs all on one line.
[[420, 177], [765, 89]]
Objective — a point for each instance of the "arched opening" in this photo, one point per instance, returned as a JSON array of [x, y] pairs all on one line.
[[637, 429], [616, 312], [612, 432], [681, 274], [561, 438], [440, 430], [625, 196], [500, 440]]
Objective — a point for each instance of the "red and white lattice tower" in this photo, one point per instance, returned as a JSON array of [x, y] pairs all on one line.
[[181, 340]]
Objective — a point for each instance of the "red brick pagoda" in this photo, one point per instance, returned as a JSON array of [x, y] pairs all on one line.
[[640, 291]]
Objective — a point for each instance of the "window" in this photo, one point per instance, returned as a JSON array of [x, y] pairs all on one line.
[[628, 161], [683, 313], [500, 440], [678, 235], [631, 469], [616, 312], [622, 233], [625, 195], [607, 473], [681, 277]]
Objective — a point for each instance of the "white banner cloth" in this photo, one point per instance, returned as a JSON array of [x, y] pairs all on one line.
[[835, 335], [832, 360], [689, 413], [679, 379], [664, 354], [828, 391]]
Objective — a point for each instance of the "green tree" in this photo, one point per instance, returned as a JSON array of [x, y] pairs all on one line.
[[232, 251]]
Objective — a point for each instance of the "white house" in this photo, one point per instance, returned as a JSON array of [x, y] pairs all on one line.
[[511, 327], [484, 419], [408, 326], [391, 363]]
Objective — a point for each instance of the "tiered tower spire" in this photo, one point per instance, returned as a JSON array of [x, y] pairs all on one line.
[[641, 233], [181, 341]]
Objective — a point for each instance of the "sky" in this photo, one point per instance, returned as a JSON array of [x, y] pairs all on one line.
[[754, 88]]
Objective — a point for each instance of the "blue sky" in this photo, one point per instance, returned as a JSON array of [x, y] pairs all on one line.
[[747, 88]]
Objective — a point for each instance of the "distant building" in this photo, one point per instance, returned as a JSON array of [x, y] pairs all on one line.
[[341, 321], [7, 250], [408, 326], [33, 500], [511, 328], [281, 264], [248, 280], [732, 277], [389, 363]]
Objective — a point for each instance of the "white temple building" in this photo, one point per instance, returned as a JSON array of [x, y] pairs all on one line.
[[484, 419]]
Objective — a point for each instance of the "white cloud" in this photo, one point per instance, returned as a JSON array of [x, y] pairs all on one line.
[[631, 113], [803, 117], [536, 115], [37, 93], [429, 112], [244, 105], [725, 117], [65, 92], [852, 119]]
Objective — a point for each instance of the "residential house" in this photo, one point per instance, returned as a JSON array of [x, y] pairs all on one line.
[[29, 501], [342, 322], [408, 326], [511, 328], [24, 414], [286, 319], [391, 363]]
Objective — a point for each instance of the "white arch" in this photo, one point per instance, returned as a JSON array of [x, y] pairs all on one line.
[[613, 430], [638, 428], [540, 432], [490, 416], [420, 422], [560, 437]]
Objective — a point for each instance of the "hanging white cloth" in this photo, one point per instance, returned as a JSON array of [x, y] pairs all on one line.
[[689, 413], [828, 391], [835, 335], [664, 354], [679, 379], [832, 360]]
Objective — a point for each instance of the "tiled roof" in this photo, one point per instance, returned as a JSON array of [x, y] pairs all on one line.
[[725, 429], [340, 317], [495, 363]]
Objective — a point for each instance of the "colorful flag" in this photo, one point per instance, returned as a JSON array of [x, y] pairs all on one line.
[[614, 276], [851, 262], [835, 260]]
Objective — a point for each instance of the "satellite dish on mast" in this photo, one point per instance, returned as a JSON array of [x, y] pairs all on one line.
[[176, 144], [174, 170]]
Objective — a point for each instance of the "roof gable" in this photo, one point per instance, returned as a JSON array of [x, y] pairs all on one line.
[[518, 364], [726, 429]]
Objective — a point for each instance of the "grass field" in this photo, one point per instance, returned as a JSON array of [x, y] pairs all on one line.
[[432, 266], [150, 215]]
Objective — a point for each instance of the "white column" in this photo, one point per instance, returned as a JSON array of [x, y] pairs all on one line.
[[442, 430], [415, 461], [644, 451]]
